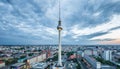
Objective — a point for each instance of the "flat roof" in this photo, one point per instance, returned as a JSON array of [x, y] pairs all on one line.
[[18, 64], [39, 65]]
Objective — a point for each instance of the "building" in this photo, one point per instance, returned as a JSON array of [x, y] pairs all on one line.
[[2, 64], [95, 64], [35, 59], [39, 66], [18, 66], [72, 56], [80, 54], [108, 67], [107, 55], [88, 51], [95, 53]]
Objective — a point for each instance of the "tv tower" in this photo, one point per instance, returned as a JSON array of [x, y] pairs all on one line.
[[59, 28], [59, 64]]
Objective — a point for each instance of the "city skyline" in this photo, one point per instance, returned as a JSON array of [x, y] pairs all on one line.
[[34, 22]]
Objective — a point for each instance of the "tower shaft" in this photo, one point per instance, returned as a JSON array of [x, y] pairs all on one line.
[[59, 51]]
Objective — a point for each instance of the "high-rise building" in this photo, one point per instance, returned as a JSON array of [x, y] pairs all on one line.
[[107, 55]]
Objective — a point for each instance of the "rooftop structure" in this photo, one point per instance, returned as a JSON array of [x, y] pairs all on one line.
[[39, 66]]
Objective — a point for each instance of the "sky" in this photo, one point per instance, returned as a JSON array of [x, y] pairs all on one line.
[[84, 22]]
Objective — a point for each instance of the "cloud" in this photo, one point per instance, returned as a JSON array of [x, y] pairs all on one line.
[[115, 42], [35, 21], [113, 35], [102, 28]]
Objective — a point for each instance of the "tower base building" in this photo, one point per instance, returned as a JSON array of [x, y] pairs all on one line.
[[58, 67]]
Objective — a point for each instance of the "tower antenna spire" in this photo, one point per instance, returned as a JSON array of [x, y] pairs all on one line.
[[59, 10]]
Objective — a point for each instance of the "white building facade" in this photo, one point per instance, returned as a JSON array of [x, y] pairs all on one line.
[[107, 55]]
